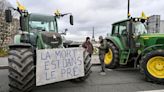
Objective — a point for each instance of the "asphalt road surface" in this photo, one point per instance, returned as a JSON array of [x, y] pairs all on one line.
[[120, 80]]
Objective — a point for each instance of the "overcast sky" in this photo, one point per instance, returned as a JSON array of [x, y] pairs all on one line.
[[88, 13]]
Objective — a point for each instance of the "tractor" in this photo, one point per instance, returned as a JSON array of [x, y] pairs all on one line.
[[130, 44], [37, 32]]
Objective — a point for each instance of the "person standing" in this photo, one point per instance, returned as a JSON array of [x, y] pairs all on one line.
[[102, 51], [88, 46]]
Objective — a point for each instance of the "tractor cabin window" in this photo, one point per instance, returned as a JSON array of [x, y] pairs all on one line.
[[139, 28], [120, 28], [42, 25], [115, 29], [123, 28]]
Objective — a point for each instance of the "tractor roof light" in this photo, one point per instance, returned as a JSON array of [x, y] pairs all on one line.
[[139, 20], [136, 19]]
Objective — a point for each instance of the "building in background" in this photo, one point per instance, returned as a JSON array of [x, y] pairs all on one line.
[[155, 24], [162, 26]]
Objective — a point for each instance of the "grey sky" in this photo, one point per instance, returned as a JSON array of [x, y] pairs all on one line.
[[88, 13]]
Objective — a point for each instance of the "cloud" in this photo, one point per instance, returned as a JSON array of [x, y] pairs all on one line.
[[88, 13]]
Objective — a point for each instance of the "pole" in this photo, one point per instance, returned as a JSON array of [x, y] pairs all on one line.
[[93, 34], [128, 15]]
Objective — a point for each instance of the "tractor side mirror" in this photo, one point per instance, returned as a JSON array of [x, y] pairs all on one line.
[[22, 23], [8, 16], [71, 19], [65, 32]]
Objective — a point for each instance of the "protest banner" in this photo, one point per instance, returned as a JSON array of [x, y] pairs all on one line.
[[54, 65]]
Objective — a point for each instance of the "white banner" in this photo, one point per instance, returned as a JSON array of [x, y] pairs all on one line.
[[54, 65]]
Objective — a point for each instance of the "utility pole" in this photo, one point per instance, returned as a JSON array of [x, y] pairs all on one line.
[[128, 13]]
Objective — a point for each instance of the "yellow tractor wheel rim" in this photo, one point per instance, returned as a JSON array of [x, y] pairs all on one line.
[[155, 66], [108, 57]]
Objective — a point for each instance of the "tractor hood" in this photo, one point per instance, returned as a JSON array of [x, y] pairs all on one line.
[[152, 39], [51, 39], [155, 35]]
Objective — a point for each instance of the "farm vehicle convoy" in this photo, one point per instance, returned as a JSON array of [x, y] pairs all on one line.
[[39, 57]]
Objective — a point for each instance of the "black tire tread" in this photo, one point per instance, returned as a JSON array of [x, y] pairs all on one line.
[[21, 70], [115, 62], [87, 70], [143, 63]]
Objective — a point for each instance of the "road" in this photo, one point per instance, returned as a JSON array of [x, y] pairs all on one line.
[[120, 80]]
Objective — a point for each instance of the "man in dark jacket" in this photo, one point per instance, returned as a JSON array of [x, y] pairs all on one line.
[[88, 46], [102, 51]]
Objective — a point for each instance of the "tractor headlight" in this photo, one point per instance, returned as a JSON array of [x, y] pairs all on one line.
[[54, 36]]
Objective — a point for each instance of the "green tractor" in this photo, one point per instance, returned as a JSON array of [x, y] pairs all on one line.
[[37, 32], [131, 44]]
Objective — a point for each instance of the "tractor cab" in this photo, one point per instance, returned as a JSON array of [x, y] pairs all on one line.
[[128, 31], [39, 30]]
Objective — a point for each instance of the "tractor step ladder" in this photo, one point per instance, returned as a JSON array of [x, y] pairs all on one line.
[[124, 57]]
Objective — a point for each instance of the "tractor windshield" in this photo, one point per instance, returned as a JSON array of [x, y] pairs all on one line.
[[42, 23], [43, 26], [139, 28]]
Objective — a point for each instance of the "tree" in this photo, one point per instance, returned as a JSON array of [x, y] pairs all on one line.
[[7, 30]]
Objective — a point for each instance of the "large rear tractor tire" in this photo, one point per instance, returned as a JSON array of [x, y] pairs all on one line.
[[152, 65], [111, 58], [21, 70], [87, 68]]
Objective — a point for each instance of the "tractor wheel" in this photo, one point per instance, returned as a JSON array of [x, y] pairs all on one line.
[[111, 58], [87, 68], [21, 70], [153, 66]]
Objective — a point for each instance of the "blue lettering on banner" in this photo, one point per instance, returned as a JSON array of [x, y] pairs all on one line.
[[58, 63], [63, 71], [46, 65], [75, 71], [47, 78], [64, 63], [79, 60], [69, 72], [52, 74], [68, 62], [53, 63], [65, 53], [68, 53], [73, 60], [45, 57], [57, 53]]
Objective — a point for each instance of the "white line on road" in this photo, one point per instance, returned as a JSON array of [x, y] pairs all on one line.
[[152, 91]]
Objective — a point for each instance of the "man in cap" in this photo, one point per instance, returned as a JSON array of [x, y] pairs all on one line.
[[102, 51]]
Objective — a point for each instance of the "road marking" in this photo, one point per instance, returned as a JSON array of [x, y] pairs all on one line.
[[152, 91]]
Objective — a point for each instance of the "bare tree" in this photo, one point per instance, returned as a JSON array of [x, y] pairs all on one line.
[[7, 30]]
